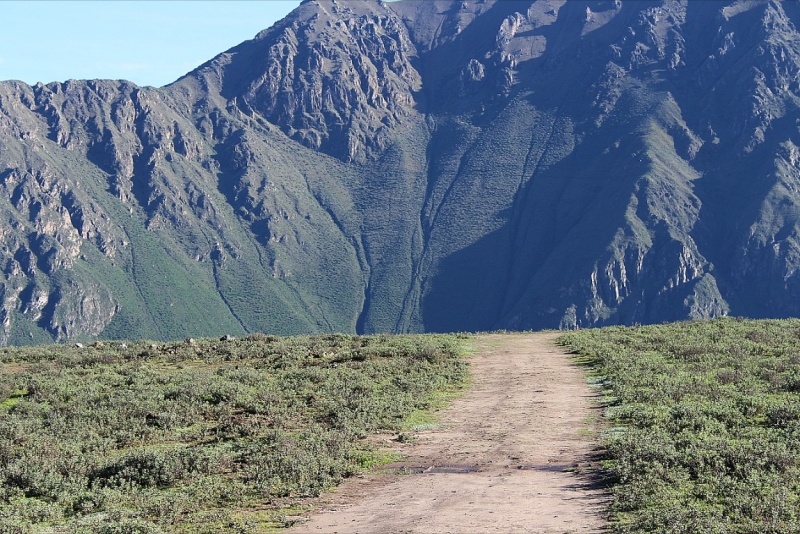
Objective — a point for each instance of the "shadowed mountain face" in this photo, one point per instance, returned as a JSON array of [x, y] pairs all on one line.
[[417, 166]]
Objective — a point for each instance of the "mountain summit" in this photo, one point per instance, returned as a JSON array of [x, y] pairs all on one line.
[[417, 166]]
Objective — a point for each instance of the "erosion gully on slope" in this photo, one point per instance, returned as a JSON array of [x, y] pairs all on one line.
[[507, 456]]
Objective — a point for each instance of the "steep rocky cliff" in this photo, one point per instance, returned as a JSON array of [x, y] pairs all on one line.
[[415, 166]]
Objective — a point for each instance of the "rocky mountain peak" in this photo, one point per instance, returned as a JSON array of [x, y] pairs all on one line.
[[336, 76], [416, 166]]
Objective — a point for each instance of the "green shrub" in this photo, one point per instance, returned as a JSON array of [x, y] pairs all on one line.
[[167, 438], [707, 419]]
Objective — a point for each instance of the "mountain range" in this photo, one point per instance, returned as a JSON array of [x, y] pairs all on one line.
[[416, 166]]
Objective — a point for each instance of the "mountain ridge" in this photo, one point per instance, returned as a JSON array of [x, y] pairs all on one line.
[[416, 166]]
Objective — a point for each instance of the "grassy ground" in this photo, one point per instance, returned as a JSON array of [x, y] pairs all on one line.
[[208, 436], [705, 424]]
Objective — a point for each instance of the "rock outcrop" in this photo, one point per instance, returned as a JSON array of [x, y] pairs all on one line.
[[417, 166]]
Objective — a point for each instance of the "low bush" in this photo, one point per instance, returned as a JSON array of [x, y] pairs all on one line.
[[189, 436], [706, 419]]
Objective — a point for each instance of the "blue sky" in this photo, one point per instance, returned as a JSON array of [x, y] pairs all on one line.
[[148, 42]]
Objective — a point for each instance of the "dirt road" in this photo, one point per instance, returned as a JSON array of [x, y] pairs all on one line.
[[498, 462]]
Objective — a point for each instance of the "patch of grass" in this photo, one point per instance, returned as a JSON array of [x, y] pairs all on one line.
[[419, 420], [204, 436], [706, 424], [14, 398], [368, 459]]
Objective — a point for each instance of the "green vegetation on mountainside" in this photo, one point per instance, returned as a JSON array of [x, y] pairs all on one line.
[[207, 436], [706, 424], [416, 167]]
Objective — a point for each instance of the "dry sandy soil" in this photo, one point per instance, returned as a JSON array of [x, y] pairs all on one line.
[[506, 456]]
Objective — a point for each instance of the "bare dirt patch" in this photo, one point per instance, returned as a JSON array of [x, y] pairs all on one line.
[[511, 455], [12, 368]]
